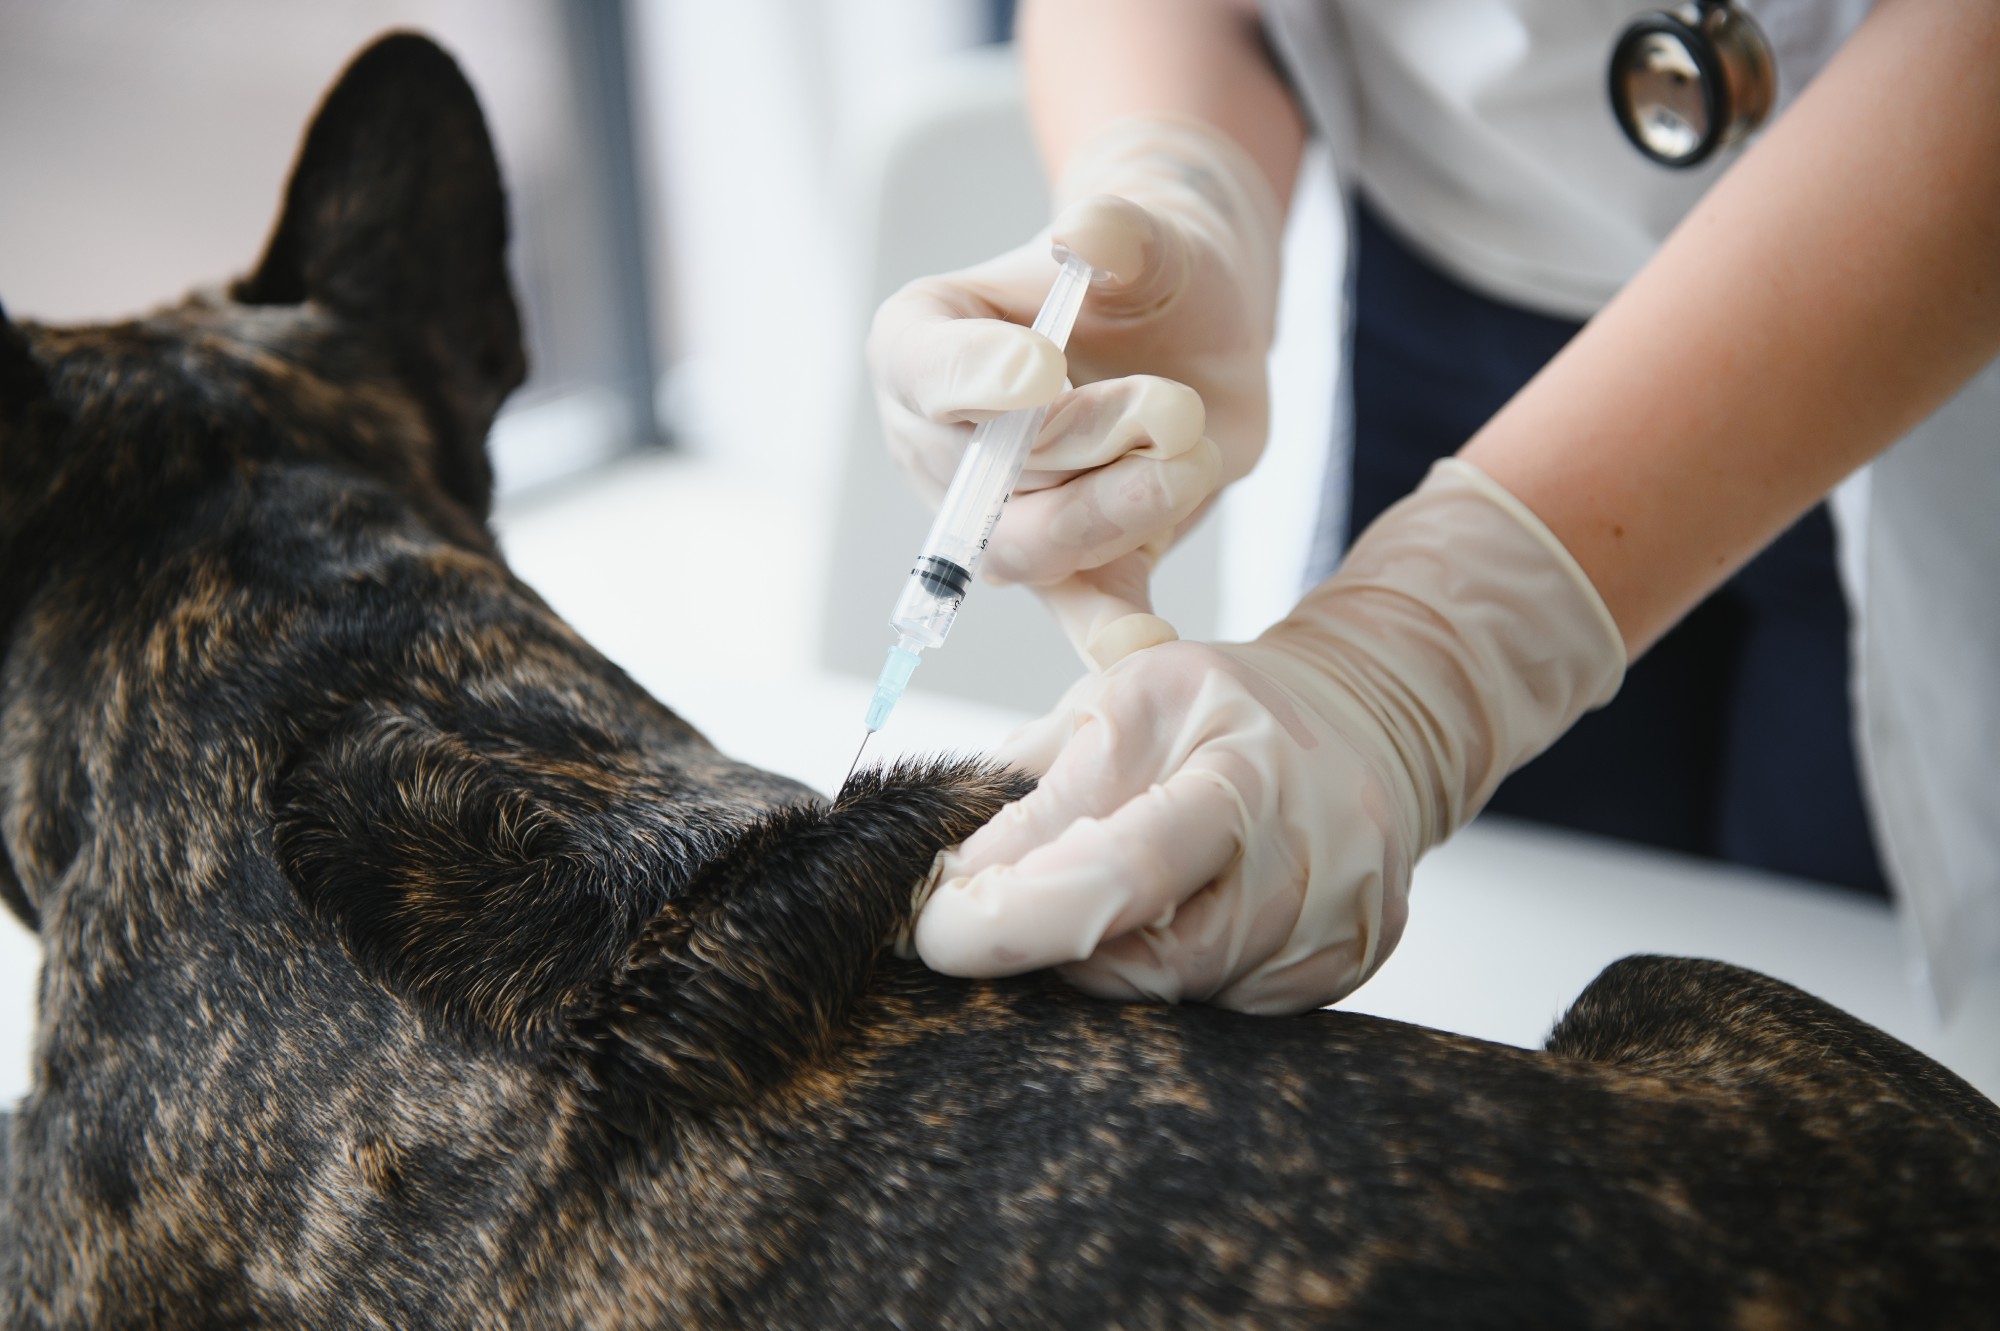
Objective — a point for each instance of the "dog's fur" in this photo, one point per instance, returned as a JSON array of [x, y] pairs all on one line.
[[407, 965]]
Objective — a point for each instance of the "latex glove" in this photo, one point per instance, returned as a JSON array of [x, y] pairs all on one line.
[[1237, 824], [1167, 357]]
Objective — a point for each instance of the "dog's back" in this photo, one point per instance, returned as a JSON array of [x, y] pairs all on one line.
[[408, 965]]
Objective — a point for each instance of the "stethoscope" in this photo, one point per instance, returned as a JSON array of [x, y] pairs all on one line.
[[1687, 81]]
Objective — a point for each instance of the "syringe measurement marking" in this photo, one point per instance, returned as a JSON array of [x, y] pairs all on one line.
[[994, 521]]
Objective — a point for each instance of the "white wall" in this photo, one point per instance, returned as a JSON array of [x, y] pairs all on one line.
[[756, 111]]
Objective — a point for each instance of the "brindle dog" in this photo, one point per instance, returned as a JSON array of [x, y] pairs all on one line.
[[407, 965]]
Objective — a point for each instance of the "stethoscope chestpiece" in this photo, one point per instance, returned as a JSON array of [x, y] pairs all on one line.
[[1688, 81]]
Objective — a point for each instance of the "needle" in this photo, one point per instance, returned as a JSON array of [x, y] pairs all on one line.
[[866, 735]]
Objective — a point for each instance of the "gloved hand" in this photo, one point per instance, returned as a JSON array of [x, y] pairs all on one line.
[[1237, 824], [1167, 357]]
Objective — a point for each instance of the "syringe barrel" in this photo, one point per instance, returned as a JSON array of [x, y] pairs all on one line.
[[979, 489]]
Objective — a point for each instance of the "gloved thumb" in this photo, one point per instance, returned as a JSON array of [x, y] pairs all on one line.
[[1107, 612], [1144, 262]]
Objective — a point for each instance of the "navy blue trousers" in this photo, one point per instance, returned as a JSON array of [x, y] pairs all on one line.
[[1732, 737]]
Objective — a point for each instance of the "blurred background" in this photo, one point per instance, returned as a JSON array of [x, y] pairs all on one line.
[[709, 199]]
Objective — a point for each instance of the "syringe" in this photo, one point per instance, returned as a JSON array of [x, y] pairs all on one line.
[[979, 490]]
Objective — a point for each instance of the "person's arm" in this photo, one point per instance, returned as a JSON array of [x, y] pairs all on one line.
[[1831, 291], [1089, 62], [1238, 823]]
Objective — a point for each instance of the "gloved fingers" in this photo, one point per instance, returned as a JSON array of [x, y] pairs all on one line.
[[1108, 757], [1174, 711], [1099, 423], [946, 366], [926, 451], [1099, 879], [1245, 913], [1107, 612], [1009, 287], [929, 451], [1221, 937], [1326, 975], [1033, 748], [1150, 965], [1143, 468], [1101, 515]]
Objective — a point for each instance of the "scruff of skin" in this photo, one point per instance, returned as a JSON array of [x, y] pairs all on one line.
[[408, 965]]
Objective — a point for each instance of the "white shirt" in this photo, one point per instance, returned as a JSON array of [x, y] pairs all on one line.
[[1482, 129]]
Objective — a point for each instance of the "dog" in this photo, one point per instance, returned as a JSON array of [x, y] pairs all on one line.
[[407, 965]]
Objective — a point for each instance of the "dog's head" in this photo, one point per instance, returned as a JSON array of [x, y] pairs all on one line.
[[378, 335]]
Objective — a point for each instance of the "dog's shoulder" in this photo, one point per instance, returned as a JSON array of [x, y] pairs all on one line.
[[760, 964]]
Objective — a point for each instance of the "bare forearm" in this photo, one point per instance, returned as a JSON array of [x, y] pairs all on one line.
[[1831, 291], [1091, 61]]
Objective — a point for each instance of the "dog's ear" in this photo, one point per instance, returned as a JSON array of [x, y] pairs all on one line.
[[24, 396], [30, 423], [395, 219], [23, 386]]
